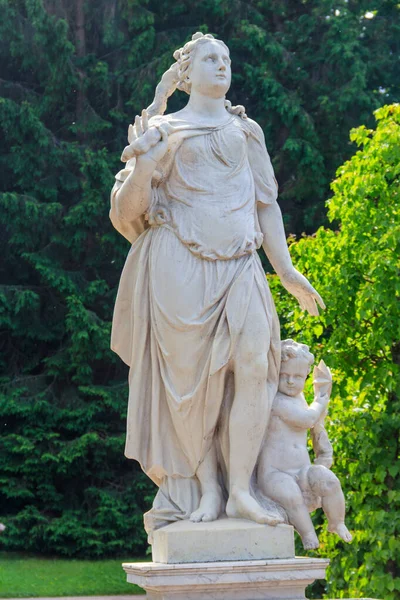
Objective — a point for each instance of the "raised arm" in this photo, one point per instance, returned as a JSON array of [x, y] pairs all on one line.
[[133, 197], [148, 145], [296, 416]]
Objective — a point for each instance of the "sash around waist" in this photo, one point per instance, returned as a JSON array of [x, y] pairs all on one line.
[[236, 249]]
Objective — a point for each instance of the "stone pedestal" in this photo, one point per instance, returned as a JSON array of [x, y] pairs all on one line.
[[222, 540], [279, 579], [228, 559]]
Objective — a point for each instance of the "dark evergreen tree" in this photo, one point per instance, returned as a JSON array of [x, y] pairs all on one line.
[[73, 75]]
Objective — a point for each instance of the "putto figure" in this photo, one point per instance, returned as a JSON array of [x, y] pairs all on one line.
[[285, 472], [194, 318]]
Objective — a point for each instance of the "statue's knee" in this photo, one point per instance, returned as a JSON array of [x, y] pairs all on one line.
[[287, 493], [294, 499], [255, 364], [322, 481]]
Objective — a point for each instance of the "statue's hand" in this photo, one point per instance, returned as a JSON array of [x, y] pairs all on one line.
[[323, 399], [297, 285], [148, 142]]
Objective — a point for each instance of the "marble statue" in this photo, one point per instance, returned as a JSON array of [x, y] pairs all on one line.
[[285, 472], [194, 318]]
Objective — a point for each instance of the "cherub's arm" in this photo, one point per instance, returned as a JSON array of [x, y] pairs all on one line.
[[321, 444], [320, 440], [303, 418]]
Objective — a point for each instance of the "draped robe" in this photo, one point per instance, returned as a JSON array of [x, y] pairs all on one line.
[[185, 290]]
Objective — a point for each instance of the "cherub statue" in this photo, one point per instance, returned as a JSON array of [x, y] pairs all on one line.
[[285, 472]]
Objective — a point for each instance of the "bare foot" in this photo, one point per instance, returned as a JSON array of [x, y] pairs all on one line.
[[210, 507], [342, 532], [310, 541], [241, 505]]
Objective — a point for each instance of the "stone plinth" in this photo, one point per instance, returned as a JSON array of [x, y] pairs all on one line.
[[278, 579], [222, 540]]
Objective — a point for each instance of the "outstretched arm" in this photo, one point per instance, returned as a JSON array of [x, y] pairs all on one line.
[[275, 246], [271, 224]]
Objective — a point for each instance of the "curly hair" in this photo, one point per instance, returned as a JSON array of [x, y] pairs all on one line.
[[291, 349], [176, 77]]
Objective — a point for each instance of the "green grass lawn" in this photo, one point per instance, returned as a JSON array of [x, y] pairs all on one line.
[[23, 576]]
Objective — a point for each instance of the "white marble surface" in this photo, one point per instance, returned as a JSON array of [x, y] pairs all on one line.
[[285, 472], [194, 317], [222, 540], [284, 579]]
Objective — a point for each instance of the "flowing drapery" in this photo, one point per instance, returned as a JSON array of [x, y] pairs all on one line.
[[190, 279]]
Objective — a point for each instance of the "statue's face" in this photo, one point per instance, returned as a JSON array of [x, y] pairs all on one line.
[[292, 376], [210, 71]]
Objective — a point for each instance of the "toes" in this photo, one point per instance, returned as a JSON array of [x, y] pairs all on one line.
[[273, 522], [196, 517], [311, 546], [270, 521], [207, 517]]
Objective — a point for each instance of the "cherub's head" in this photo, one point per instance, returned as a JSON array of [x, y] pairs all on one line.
[[296, 361]]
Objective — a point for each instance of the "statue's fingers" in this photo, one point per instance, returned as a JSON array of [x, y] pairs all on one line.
[[311, 306], [145, 120], [163, 132], [319, 300], [313, 310], [138, 126], [131, 134], [301, 303], [126, 154]]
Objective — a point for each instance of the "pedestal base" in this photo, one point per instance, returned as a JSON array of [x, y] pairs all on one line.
[[222, 540], [278, 579]]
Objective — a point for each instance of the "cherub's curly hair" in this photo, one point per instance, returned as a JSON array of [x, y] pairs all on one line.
[[291, 349], [177, 76]]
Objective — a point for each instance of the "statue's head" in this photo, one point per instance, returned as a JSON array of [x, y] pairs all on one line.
[[296, 361], [204, 65]]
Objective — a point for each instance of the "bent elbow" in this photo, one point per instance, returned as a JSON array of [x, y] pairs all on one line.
[[312, 418], [120, 206]]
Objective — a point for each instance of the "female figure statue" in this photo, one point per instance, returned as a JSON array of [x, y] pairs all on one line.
[[194, 318]]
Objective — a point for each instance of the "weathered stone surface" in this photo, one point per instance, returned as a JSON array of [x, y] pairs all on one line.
[[284, 579], [222, 540]]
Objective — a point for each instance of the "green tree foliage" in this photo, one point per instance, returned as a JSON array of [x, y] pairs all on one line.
[[73, 75], [357, 271], [65, 485]]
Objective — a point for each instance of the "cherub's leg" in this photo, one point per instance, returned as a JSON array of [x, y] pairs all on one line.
[[210, 506], [327, 485], [282, 488]]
